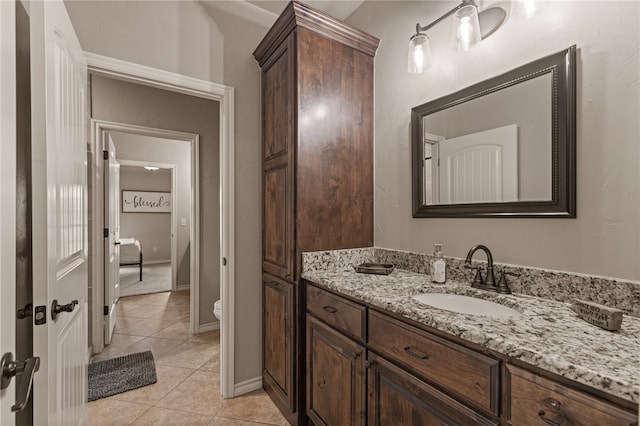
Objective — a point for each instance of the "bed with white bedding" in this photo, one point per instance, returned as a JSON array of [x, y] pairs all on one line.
[[131, 253]]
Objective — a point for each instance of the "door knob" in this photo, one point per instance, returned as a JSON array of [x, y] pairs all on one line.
[[10, 368], [57, 308]]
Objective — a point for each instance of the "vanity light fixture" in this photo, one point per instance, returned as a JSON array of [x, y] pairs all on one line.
[[527, 8], [152, 168], [469, 28]]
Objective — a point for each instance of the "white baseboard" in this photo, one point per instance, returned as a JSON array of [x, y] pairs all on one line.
[[209, 327], [248, 386], [183, 287], [153, 262]]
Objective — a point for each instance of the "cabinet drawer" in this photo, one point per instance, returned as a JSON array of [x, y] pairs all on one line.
[[398, 398], [338, 312], [464, 373], [535, 400]]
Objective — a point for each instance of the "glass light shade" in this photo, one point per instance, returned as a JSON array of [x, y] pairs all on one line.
[[466, 27], [527, 8], [151, 168], [419, 53]]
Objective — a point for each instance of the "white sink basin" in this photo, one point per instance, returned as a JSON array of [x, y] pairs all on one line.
[[466, 305]]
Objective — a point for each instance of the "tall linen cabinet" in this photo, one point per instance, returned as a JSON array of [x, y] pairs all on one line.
[[317, 173]]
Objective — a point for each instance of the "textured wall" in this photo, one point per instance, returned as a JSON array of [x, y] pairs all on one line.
[[604, 239], [203, 40]]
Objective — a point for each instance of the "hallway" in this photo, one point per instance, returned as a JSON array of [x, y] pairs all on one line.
[[188, 369]]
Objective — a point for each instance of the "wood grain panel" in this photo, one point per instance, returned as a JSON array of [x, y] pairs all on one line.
[[334, 194], [464, 373], [278, 334], [534, 400], [336, 392], [277, 107], [276, 222], [398, 398]]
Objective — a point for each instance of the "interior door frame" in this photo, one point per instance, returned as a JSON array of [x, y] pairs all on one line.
[[174, 212], [8, 140], [225, 95], [99, 130]]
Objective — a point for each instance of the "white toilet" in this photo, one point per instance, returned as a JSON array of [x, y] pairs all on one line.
[[217, 309]]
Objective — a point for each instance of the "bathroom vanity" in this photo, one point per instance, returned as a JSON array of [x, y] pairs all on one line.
[[375, 355]]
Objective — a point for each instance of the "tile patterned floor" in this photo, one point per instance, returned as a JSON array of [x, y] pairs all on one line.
[[188, 369]]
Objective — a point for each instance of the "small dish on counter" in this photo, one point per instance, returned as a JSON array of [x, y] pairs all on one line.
[[374, 268]]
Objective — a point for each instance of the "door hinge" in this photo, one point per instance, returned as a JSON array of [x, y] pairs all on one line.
[[105, 155], [106, 310], [40, 315], [105, 233]]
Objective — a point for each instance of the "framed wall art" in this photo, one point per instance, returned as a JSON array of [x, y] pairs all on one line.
[[146, 202]]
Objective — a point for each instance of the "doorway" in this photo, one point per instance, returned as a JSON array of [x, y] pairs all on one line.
[[170, 82], [136, 145], [155, 186], [148, 239]]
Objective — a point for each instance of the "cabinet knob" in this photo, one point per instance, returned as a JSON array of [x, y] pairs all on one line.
[[553, 403]]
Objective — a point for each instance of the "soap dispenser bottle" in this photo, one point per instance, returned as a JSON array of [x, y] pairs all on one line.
[[438, 266]]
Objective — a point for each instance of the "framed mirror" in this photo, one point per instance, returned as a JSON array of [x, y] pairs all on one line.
[[504, 147]]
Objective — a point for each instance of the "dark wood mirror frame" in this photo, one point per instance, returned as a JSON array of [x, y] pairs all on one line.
[[563, 143]]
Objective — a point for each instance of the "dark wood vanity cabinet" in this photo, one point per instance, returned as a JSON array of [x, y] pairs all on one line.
[[414, 377], [340, 351], [317, 165]]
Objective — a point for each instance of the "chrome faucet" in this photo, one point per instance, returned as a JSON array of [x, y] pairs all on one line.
[[489, 282]]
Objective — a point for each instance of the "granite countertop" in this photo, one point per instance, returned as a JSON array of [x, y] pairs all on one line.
[[547, 334]]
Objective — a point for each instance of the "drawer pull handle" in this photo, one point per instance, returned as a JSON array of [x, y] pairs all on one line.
[[415, 354], [330, 309], [274, 283], [541, 414]]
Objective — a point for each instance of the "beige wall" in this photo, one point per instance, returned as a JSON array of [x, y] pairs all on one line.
[[153, 230], [201, 40], [604, 239]]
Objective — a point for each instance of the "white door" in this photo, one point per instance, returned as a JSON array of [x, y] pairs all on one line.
[[481, 167], [59, 190], [112, 241], [7, 198]]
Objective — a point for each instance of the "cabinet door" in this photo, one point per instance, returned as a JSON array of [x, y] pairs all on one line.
[[398, 398], [335, 377], [277, 105], [278, 252], [277, 239], [278, 324]]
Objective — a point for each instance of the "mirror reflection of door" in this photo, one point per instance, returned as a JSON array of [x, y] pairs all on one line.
[[479, 168], [112, 241], [431, 168]]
